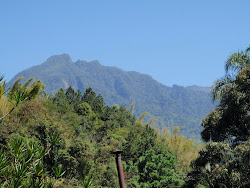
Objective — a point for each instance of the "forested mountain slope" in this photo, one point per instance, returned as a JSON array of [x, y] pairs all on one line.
[[177, 105]]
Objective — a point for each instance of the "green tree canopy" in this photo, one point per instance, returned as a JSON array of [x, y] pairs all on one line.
[[96, 102], [74, 97], [230, 120], [157, 170], [220, 165], [226, 164]]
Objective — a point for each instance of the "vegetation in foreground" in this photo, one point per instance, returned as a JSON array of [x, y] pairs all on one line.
[[65, 140], [225, 160]]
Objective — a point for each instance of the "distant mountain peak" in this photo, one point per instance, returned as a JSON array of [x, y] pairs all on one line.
[[96, 62], [63, 58]]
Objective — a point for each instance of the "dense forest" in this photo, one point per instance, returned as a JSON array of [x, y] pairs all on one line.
[[66, 139]]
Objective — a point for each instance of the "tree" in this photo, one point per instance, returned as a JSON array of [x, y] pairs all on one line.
[[138, 141], [73, 97], [157, 170], [186, 150], [230, 120], [234, 64], [20, 93], [96, 102], [62, 102], [220, 165], [225, 162]]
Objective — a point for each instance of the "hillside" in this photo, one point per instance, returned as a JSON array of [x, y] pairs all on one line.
[[177, 105]]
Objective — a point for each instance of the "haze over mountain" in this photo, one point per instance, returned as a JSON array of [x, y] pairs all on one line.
[[176, 105]]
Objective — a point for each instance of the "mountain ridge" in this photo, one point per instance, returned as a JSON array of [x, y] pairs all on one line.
[[176, 105]]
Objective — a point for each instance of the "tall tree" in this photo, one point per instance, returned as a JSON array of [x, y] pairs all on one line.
[[62, 102], [230, 120], [235, 63], [223, 164], [73, 97], [96, 102]]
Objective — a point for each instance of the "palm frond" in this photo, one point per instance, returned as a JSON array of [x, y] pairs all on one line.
[[27, 83], [2, 88], [20, 92], [34, 89], [15, 88], [248, 49], [221, 86], [237, 61]]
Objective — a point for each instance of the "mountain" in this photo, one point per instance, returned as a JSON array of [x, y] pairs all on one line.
[[176, 105]]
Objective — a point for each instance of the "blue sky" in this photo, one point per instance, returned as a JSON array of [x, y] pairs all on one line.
[[176, 42]]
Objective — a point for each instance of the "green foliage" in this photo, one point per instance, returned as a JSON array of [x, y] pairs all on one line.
[[185, 149], [74, 98], [140, 119], [58, 171], [54, 138], [62, 102], [220, 165], [21, 165], [226, 164], [139, 141], [71, 134], [76, 141], [87, 182], [20, 93], [157, 170], [84, 109], [238, 61], [184, 106], [230, 121], [2, 86], [96, 102]]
